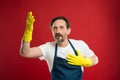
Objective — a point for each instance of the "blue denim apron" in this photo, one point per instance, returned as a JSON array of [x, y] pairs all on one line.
[[63, 71]]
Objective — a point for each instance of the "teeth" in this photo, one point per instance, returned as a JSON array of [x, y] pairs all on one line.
[[58, 38]]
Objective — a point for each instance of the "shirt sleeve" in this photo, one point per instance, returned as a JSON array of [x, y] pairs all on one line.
[[87, 51], [43, 48]]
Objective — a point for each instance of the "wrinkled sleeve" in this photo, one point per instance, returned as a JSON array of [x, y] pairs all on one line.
[[43, 48], [87, 51]]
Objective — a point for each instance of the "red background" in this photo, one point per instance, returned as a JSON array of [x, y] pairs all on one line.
[[97, 22]]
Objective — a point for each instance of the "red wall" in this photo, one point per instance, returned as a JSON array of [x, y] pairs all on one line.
[[94, 21]]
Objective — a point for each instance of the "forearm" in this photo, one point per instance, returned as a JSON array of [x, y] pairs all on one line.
[[25, 48], [29, 52]]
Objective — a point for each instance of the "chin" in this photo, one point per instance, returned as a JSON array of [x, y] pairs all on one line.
[[60, 41]]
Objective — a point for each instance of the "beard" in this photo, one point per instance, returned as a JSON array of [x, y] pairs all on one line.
[[59, 37]]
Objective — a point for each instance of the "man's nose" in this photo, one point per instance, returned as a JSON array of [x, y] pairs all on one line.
[[57, 30]]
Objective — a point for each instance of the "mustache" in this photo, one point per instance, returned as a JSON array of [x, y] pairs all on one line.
[[58, 35]]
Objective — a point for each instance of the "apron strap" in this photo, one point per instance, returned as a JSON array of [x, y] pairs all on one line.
[[73, 48], [55, 49]]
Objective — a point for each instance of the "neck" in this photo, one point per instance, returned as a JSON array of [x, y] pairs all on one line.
[[63, 44]]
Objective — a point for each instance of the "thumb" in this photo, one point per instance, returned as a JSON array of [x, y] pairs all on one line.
[[78, 53]]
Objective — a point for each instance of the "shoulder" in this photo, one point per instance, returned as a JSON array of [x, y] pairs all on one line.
[[47, 45], [78, 42]]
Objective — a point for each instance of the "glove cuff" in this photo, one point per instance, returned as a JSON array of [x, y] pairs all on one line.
[[87, 62]]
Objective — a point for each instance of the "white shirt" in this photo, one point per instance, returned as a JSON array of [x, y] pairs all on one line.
[[48, 50]]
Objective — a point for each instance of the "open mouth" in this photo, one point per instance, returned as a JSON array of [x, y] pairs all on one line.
[[58, 35]]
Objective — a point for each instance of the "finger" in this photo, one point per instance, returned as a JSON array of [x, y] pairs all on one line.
[[32, 17], [29, 14], [70, 60], [71, 63], [71, 55]]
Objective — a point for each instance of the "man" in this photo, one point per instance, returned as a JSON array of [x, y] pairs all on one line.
[[65, 57]]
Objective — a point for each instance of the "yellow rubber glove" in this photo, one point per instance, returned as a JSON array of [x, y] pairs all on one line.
[[78, 60], [27, 37]]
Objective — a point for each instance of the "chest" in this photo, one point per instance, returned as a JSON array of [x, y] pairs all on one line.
[[63, 52]]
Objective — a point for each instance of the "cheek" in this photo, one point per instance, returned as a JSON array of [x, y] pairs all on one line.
[[53, 33], [65, 34]]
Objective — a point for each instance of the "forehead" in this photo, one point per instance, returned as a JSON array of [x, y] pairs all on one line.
[[59, 23]]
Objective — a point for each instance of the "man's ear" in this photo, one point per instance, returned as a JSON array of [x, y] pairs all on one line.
[[69, 31]]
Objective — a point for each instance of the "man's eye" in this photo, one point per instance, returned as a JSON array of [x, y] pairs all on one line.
[[54, 28], [61, 27]]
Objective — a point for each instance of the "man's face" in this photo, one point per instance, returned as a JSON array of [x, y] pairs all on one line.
[[60, 31]]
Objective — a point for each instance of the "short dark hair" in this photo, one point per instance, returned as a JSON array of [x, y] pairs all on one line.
[[60, 18]]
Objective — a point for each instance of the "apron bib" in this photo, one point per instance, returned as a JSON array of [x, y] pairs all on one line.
[[64, 71]]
